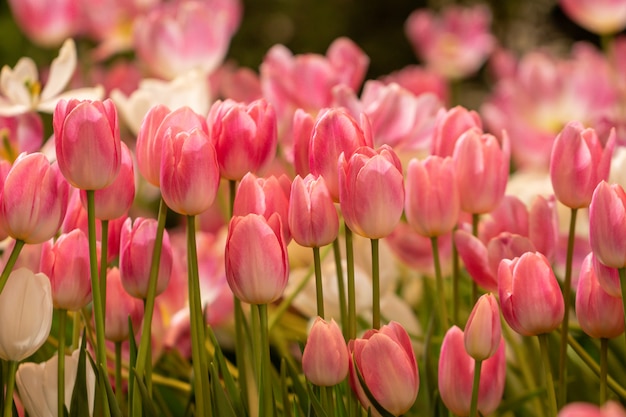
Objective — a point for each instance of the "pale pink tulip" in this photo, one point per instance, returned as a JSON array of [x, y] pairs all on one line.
[[510, 215], [602, 17], [420, 80], [607, 224], [543, 225], [580, 409], [302, 127], [450, 125], [325, 358], [483, 331], [149, 145], [120, 307], [44, 25]]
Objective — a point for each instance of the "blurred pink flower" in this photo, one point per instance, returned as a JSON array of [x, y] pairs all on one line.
[[602, 17], [44, 25]]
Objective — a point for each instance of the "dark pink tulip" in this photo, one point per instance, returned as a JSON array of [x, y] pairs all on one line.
[[244, 136], [115, 200], [386, 361], [449, 126], [578, 163], [66, 263], [313, 219], [149, 145], [257, 266], [190, 174], [87, 140], [530, 296], [325, 358], [456, 375], [607, 224], [432, 203], [371, 191], [483, 331], [599, 314], [34, 199], [482, 169], [119, 307], [136, 246]]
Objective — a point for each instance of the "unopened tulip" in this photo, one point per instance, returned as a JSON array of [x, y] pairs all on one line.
[[599, 314], [115, 200], [385, 360], [449, 126], [38, 385], [301, 128], [34, 200], [25, 314], [578, 163], [456, 375], [581, 409], [432, 202], [87, 140], [602, 17], [189, 172], [530, 296], [120, 306], [607, 277], [607, 224], [136, 247], [325, 359], [371, 191], [482, 169], [257, 266], [66, 263], [313, 219], [244, 136], [483, 331], [543, 225], [149, 146]]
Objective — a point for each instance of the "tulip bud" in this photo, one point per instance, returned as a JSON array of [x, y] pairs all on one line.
[[607, 224], [302, 128], [483, 332], [449, 126], [325, 358], [543, 225], [120, 306]]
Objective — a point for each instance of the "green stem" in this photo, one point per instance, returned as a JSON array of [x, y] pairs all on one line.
[[443, 310], [375, 285], [351, 286], [119, 395], [76, 327], [475, 387], [104, 239], [545, 356], [604, 365], [98, 310], [318, 282], [17, 248], [341, 288], [456, 275], [475, 221], [61, 363], [8, 400], [567, 296], [622, 281], [266, 398]]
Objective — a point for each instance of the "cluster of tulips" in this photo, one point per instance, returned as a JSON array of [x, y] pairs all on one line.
[[216, 242]]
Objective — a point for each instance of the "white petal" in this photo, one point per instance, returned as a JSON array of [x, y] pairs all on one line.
[[61, 70], [29, 380], [13, 82], [8, 110], [87, 93]]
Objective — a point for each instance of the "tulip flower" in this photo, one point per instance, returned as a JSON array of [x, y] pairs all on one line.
[[456, 375], [120, 306], [483, 331], [37, 385], [34, 200], [530, 296], [543, 225], [189, 172], [87, 141], [66, 263], [25, 314], [449, 126], [21, 133], [432, 203], [244, 136], [607, 277], [302, 127], [257, 267], [385, 361], [312, 217], [371, 191], [581, 409], [136, 247], [578, 163], [149, 145], [47, 26], [325, 359], [602, 17], [607, 224]]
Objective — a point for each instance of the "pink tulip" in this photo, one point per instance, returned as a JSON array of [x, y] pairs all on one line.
[[149, 145], [482, 169], [543, 225], [607, 277], [189, 172], [607, 224], [602, 17], [34, 199], [302, 127], [432, 202], [483, 331], [177, 37], [386, 362], [120, 306], [510, 215], [66, 263], [454, 44], [136, 246], [44, 25], [456, 375], [578, 163], [335, 132], [325, 358], [115, 200], [371, 191], [257, 266], [87, 140], [313, 219], [580, 409], [506, 246], [22, 133], [599, 314], [244, 136], [530, 297], [449, 126]]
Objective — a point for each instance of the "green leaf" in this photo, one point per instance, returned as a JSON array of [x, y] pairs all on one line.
[[229, 382], [132, 361], [284, 389], [298, 387], [222, 406], [79, 405], [146, 401], [315, 402]]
